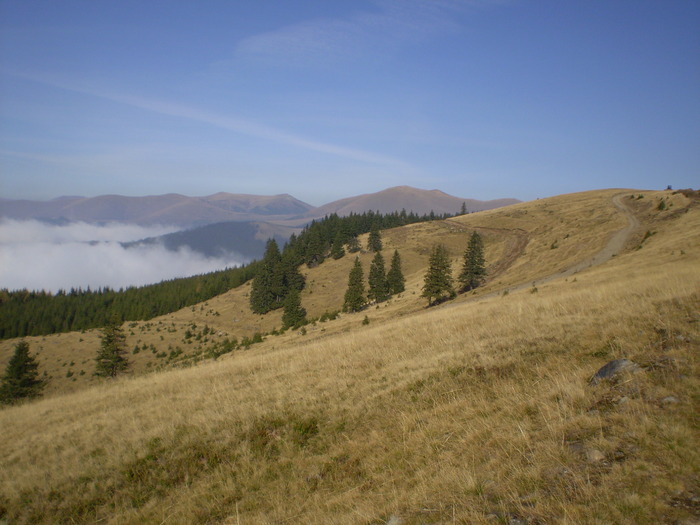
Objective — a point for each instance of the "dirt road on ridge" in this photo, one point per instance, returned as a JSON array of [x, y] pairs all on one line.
[[615, 245]]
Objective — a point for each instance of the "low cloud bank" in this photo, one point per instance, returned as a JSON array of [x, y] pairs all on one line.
[[40, 256]]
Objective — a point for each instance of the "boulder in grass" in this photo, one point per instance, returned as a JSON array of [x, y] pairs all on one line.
[[614, 368]]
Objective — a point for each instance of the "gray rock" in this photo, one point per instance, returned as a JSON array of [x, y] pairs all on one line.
[[670, 400], [593, 455], [614, 368]]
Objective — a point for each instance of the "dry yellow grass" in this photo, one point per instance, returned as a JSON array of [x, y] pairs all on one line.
[[477, 411]]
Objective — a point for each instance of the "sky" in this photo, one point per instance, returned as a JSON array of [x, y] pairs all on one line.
[[325, 99]]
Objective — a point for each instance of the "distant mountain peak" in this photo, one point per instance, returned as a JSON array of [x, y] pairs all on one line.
[[180, 210]]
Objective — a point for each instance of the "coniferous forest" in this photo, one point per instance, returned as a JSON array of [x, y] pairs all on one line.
[[30, 313], [27, 313]]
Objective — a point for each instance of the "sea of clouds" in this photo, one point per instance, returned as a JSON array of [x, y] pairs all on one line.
[[42, 256]]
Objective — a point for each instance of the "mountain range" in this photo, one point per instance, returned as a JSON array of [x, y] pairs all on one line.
[[188, 212], [227, 222]]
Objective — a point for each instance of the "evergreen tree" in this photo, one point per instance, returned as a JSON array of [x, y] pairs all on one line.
[[21, 379], [337, 250], [374, 242], [463, 210], [294, 314], [473, 269], [111, 358], [438, 279], [378, 287], [394, 278], [267, 288], [291, 276], [355, 294], [353, 244], [315, 248]]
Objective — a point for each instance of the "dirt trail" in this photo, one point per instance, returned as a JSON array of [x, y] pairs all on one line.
[[615, 245]]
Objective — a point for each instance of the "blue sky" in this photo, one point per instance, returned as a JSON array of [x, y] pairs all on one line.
[[326, 99]]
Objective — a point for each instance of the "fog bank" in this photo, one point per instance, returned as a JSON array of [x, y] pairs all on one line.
[[40, 256]]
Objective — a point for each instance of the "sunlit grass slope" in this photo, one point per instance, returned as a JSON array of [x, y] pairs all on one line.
[[478, 411]]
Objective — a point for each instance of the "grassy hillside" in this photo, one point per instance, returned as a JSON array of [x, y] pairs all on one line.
[[476, 411]]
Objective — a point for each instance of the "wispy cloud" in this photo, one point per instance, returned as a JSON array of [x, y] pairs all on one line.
[[363, 35], [230, 123]]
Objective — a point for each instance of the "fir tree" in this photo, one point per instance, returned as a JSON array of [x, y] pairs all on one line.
[[353, 244], [291, 276], [395, 279], [438, 279], [21, 379], [374, 242], [473, 269], [337, 250], [294, 314], [378, 287], [110, 358], [463, 210], [315, 249], [355, 294], [267, 289]]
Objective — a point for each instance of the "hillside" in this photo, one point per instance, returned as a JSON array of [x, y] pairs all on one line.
[[246, 239], [476, 411]]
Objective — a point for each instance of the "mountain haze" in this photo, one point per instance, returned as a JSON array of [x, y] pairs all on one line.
[[172, 209], [188, 212]]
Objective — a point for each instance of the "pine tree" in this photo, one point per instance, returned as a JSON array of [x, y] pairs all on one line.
[[111, 358], [374, 242], [21, 379], [378, 287], [395, 279], [438, 279], [473, 269], [294, 314], [463, 210], [355, 294]]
